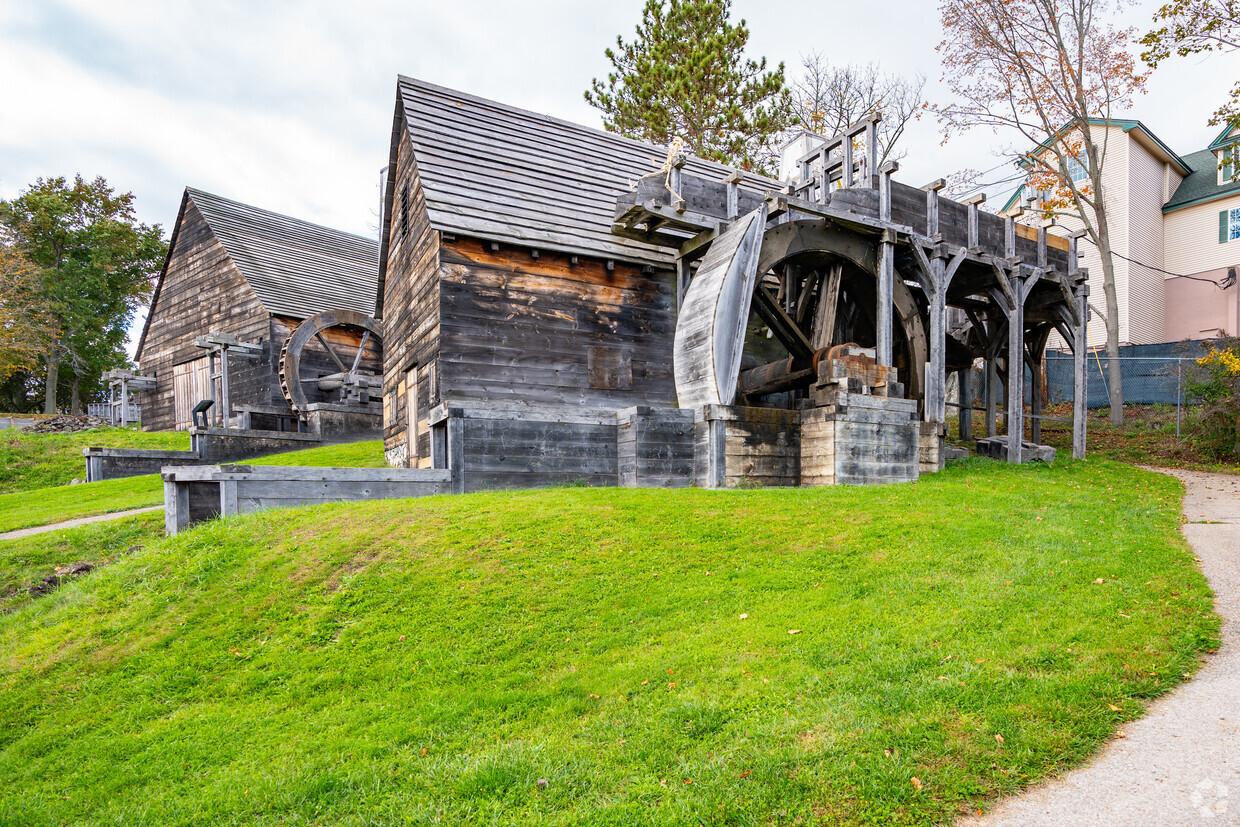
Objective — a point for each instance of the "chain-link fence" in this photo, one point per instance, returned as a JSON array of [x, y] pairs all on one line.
[[1149, 375]]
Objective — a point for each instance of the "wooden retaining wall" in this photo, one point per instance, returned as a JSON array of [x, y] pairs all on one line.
[[203, 492]]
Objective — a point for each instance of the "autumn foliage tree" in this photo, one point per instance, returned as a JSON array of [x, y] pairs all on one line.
[[1194, 26], [685, 75], [88, 266], [26, 323], [1051, 72]]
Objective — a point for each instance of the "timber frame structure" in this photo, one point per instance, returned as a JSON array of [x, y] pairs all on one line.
[[913, 254], [561, 303]]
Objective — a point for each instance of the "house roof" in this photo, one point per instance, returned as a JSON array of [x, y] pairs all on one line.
[[1226, 137], [1202, 183], [497, 172], [295, 268], [1141, 133]]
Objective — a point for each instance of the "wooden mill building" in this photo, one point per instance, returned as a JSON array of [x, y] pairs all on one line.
[[249, 275], [561, 303]]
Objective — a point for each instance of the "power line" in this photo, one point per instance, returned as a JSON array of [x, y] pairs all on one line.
[[1222, 284]]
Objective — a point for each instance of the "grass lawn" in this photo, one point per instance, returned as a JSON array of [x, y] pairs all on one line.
[[26, 561], [23, 509], [30, 461], [883, 655]]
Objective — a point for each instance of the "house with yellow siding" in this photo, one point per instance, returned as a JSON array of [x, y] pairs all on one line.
[[1175, 230]]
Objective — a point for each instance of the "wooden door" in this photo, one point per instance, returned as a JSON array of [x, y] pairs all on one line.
[[191, 383], [411, 415]]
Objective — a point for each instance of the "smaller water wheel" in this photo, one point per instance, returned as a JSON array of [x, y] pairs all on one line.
[[332, 339]]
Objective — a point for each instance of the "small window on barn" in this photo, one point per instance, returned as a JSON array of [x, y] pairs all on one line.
[[404, 210]]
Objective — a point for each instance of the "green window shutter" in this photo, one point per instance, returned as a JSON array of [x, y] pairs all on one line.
[[1222, 227]]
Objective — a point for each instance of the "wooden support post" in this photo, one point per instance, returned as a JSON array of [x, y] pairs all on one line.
[[1009, 236], [456, 453], [228, 498], [846, 171], [225, 408], [1042, 227], [682, 282], [1035, 399], [176, 508], [966, 404], [992, 394], [975, 202], [936, 370], [871, 147], [716, 453], [733, 181], [886, 269], [1016, 370], [1080, 386], [932, 205]]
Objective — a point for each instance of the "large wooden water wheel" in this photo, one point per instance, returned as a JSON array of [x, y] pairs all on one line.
[[334, 356], [766, 303]]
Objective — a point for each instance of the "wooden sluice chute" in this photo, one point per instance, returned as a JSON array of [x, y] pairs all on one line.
[[771, 276]]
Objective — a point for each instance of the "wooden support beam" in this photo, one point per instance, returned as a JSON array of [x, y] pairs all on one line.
[[733, 181], [1080, 387], [1016, 371], [683, 269], [823, 329], [974, 204], [806, 294], [992, 395], [966, 404], [886, 268], [932, 205], [781, 324]]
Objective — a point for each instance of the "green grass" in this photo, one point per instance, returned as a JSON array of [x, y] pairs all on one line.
[[23, 509], [26, 561], [29, 461], [427, 661]]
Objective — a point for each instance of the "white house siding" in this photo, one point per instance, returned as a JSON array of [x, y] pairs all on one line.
[[1146, 182], [1191, 238], [1116, 191]]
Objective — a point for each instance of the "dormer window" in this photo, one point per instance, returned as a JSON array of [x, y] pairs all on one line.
[[1229, 163]]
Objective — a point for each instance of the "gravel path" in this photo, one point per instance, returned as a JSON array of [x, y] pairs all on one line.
[[1180, 764], [101, 518]]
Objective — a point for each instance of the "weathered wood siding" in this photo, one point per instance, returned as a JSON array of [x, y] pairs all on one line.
[[202, 291], [546, 330], [411, 312], [655, 447], [739, 447]]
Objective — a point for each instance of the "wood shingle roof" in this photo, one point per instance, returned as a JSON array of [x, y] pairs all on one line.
[[496, 172], [296, 268]]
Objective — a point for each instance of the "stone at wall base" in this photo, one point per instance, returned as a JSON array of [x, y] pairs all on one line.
[[995, 447], [951, 452]]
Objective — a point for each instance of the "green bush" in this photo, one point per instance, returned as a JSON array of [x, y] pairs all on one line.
[[1214, 383]]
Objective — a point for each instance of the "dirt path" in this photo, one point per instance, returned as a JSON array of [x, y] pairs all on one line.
[[1180, 764], [101, 518]]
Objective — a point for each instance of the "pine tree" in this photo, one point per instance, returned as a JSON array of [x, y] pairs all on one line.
[[685, 75]]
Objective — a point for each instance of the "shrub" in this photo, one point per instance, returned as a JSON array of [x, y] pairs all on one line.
[[1214, 381]]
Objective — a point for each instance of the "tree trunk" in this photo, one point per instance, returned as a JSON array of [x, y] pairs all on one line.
[[1112, 317], [49, 386], [75, 396]]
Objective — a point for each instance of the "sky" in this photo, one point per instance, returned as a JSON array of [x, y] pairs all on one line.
[[287, 104]]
